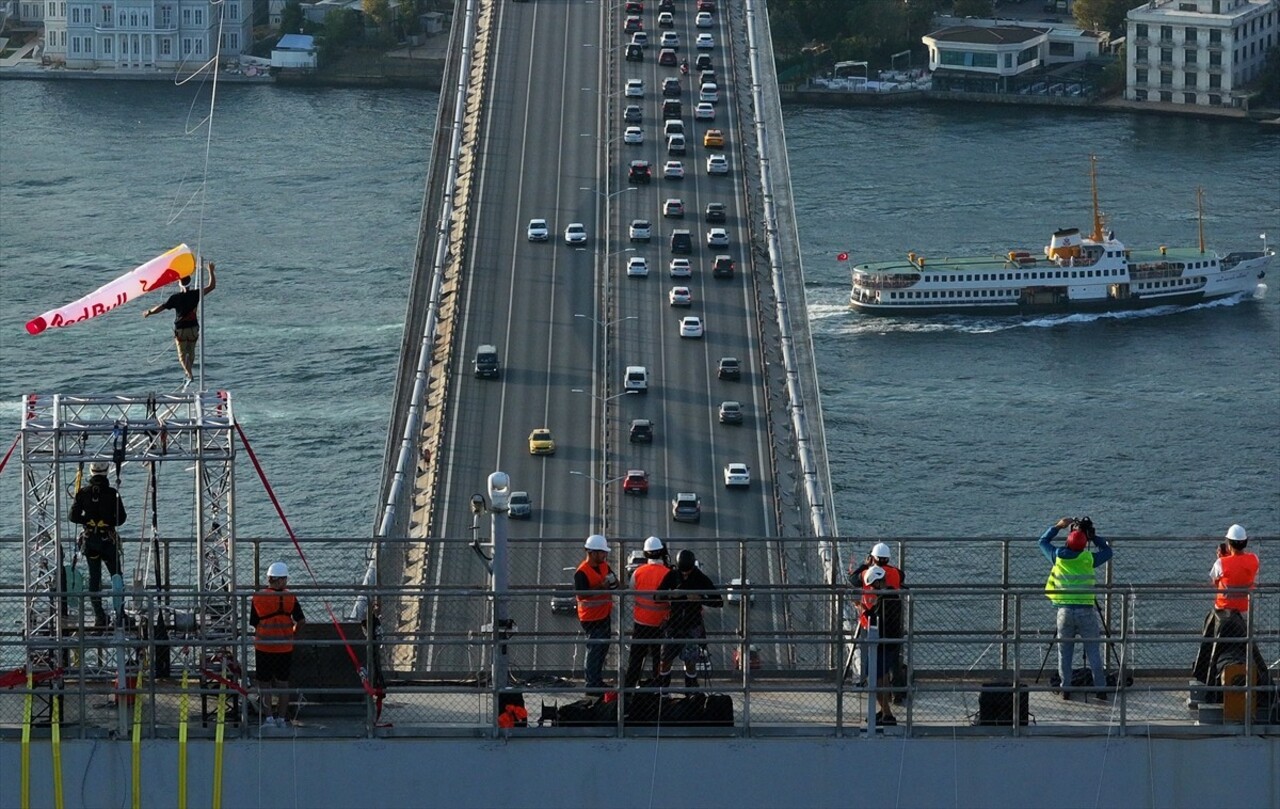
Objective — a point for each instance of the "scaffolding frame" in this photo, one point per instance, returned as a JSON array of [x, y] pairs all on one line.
[[59, 433]]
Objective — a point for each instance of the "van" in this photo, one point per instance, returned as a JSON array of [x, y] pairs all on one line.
[[675, 144], [486, 362], [709, 92], [636, 379], [671, 109], [681, 241], [675, 127]]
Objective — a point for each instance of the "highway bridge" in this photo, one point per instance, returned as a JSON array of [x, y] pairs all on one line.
[[532, 127]]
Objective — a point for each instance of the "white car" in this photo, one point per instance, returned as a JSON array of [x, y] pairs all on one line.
[[717, 237], [637, 267], [635, 88], [733, 593], [538, 231], [681, 268], [717, 164], [737, 474], [691, 327], [666, 20], [669, 39], [674, 170], [673, 208], [705, 111], [640, 39], [680, 296], [640, 230], [709, 93], [704, 42], [633, 134], [575, 233], [703, 20]]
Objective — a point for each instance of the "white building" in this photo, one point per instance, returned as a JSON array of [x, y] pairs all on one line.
[[140, 34], [983, 59], [1198, 51], [295, 52]]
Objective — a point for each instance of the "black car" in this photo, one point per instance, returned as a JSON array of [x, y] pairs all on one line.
[[703, 62], [722, 268], [635, 53], [633, 114], [715, 212], [641, 431], [639, 172], [729, 368], [671, 87], [666, 5]]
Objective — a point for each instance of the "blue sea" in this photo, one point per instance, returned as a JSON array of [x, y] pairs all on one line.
[[1163, 423]]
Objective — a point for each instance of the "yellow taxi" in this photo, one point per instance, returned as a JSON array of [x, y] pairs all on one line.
[[541, 442], [713, 138]]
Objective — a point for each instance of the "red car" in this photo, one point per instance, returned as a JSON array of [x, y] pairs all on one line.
[[634, 7], [707, 5], [636, 482]]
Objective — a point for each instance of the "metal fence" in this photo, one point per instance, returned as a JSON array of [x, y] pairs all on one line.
[[784, 676]]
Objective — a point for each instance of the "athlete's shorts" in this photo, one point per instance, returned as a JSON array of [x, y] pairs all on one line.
[[274, 666]]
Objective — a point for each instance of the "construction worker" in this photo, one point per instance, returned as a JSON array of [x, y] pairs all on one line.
[[880, 556], [688, 590], [883, 610], [277, 615], [1070, 588], [649, 613], [1234, 573], [592, 583], [100, 510], [894, 579]]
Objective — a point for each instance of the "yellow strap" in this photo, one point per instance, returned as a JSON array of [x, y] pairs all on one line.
[[137, 739], [218, 737], [56, 738], [182, 744], [24, 799]]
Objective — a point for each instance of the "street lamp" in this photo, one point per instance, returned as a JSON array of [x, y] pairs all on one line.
[[607, 195], [603, 398], [604, 324]]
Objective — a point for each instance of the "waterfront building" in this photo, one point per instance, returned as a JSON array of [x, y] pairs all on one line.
[[1004, 56], [1198, 52], [146, 34]]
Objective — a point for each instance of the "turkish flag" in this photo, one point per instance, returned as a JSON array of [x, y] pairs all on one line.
[[842, 256]]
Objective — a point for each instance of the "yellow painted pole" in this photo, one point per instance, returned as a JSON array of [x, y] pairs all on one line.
[[137, 739], [25, 798], [218, 737], [182, 744], [56, 737]]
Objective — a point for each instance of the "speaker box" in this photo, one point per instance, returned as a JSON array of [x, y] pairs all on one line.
[[328, 665]]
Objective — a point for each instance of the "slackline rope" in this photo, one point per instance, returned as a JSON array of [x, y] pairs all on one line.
[[12, 447], [376, 693]]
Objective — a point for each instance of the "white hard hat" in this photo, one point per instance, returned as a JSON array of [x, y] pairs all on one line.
[[278, 570], [881, 551], [873, 574], [652, 544], [597, 542], [102, 468], [1236, 533]]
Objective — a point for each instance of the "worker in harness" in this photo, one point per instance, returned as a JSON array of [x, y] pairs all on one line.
[[277, 617], [98, 508]]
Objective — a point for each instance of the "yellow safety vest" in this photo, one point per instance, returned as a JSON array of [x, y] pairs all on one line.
[[1071, 574]]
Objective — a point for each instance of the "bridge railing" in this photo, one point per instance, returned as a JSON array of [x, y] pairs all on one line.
[[962, 651]]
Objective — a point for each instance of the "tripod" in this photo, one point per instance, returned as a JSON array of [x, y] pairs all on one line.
[[1106, 633]]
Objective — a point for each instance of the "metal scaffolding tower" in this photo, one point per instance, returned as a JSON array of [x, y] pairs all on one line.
[[62, 434]]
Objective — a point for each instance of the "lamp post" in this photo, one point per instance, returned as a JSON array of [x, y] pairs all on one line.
[[604, 484]]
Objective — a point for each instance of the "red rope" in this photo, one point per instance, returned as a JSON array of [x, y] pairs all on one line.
[[376, 693], [10, 452], [18, 677]]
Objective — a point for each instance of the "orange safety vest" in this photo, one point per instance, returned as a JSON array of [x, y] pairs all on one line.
[[1239, 570], [274, 609], [649, 612], [597, 606], [893, 576]]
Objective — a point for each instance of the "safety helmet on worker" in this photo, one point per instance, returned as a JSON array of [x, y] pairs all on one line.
[[1236, 533], [278, 570], [102, 468], [653, 545], [597, 542], [872, 575], [881, 551], [685, 560]]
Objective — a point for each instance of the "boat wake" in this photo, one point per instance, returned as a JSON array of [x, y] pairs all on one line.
[[827, 319]]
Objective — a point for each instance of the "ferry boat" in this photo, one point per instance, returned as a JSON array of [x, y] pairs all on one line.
[[1077, 273]]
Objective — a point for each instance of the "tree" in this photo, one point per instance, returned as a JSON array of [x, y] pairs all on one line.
[[378, 12], [291, 18], [1268, 82], [972, 8], [1101, 15]]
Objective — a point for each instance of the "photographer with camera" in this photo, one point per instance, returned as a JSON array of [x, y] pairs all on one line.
[[1234, 573], [1070, 588]]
